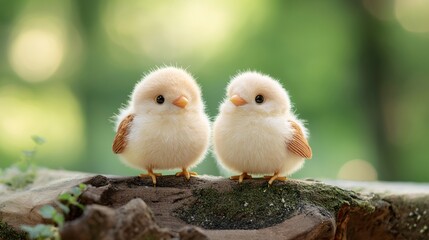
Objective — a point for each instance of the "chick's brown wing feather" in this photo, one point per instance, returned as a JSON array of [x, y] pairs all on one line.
[[120, 141], [299, 145]]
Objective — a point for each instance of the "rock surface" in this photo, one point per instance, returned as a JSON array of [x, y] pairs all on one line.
[[218, 208], [131, 221], [21, 206]]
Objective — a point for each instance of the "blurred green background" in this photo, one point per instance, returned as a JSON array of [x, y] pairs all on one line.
[[356, 70]]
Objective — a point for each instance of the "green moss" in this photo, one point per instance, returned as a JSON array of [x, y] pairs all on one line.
[[254, 206], [332, 198], [7, 232]]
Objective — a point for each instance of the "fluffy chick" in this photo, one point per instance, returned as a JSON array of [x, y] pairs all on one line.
[[164, 125], [256, 132]]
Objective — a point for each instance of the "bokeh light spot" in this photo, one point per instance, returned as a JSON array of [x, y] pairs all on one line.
[[36, 53], [174, 29], [413, 15], [357, 170]]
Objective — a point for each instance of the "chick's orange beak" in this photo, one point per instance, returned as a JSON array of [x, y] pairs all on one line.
[[181, 102], [237, 100]]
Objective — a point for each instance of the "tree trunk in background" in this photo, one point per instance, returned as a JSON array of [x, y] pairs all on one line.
[[374, 76], [88, 14]]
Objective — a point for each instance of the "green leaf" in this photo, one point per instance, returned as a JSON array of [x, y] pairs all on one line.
[[73, 201], [42, 231], [28, 154], [65, 196], [31, 231], [63, 207], [76, 191], [48, 212], [20, 180], [59, 219], [38, 140], [79, 205], [82, 186]]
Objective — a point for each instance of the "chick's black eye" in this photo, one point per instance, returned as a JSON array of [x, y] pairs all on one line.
[[160, 99], [259, 99]]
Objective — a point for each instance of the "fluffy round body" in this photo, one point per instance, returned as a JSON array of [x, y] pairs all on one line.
[[169, 128], [166, 142], [256, 145], [253, 129]]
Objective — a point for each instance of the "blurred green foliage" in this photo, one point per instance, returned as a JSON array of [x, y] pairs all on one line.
[[356, 71]]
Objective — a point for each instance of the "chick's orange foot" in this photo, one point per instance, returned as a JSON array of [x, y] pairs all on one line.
[[151, 174], [186, 173], [275, 177], [241, 177]]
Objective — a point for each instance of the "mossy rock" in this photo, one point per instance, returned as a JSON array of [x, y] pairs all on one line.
[[9, 233], [295, 209], [256, 205]]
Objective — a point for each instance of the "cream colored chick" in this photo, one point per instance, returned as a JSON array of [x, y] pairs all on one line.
[[164, 125], [256, 131]]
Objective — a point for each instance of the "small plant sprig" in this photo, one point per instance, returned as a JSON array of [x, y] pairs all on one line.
[[64, 202], [28, 156], [70, 198], [22, 173], [42, 232]]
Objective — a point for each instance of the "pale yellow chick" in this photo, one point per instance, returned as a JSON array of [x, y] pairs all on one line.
[[164, 125], [256, 131]]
